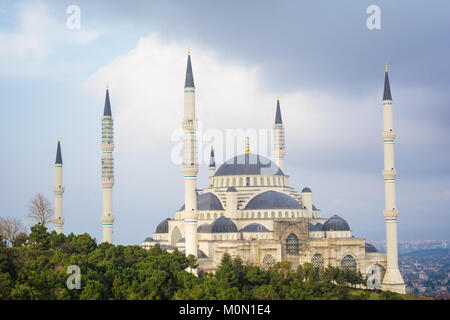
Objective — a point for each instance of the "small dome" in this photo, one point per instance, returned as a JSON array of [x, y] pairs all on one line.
[[306, 189], [272, 200], [149, 239], [231, 189], [254, 227], [370, 248], [204, 228], [166, 247], [223, 225], [207, 201], [248, 164], [200, 254], [336, 223], [315, 227], [163, 227]]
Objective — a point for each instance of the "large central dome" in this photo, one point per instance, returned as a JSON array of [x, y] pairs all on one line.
[[248, 164]]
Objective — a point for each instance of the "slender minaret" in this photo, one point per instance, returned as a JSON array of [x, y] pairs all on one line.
[[392, 280], [58, 221], [190, 167], [107, 170], [278, 138], [212, 166]]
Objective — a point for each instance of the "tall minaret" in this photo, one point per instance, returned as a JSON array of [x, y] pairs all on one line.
[[190, 167], [58, 221], [278, 138], [212, 166], [393, 280], [107, 170]]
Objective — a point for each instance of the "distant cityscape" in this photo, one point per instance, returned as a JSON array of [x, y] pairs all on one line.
[[424, 265]]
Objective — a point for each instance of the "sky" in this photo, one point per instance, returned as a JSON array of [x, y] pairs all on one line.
[[320, 57]]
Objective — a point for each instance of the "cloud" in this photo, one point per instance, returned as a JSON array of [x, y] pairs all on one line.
[[37, 36]]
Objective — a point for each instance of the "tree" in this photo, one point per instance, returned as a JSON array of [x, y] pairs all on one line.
[[41, 209], [10, 229]]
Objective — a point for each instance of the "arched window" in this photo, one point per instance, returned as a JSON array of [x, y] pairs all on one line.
[[208, 216], [292, 244], [255, 182], [348, 262], [268, 261], [317, 260], [247, 181]]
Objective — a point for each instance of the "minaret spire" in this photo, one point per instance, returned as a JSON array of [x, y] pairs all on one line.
[[212, 166], [190, 167], [278, 138], [392, 280], [58, 220], [107, 170]]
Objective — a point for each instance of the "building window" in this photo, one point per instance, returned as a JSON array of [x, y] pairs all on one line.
[[255, 182], [317, 260], [348, 262], [292, 244], [265, 215], [268, 261], [247, 181]]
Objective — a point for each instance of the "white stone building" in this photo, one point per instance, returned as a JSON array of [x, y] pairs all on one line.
[[250, 210]]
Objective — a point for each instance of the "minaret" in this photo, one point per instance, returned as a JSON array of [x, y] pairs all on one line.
[[58, 221], [212, 166], [107, 170], [190, 167], [278, 138], [392, 280]]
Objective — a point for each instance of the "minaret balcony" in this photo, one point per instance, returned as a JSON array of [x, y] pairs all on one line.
[[108, 219], [107, 147], [191, 216], [390, 213], [190, 125], [190, 170], [58, 221], [107, 182], [388, 134], [58, 190], [389, 174]]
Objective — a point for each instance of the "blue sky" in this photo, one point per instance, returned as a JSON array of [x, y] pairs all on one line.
[[320, 57]]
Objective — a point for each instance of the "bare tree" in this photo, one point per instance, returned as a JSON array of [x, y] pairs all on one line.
[[40, 209], [11, 229]]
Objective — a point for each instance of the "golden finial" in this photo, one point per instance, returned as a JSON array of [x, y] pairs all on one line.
[[248, 146], [59, 139], [386, 67], [189, 51], [278, 97], [107, 85]]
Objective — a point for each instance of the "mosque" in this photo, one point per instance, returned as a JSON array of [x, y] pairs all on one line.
[[250, 210]]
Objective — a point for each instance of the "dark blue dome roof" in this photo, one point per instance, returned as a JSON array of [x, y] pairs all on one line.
[[272, 200], [204, 228], [149, 239], [248, 164], [370, 248], [163, 227], [207, 201], [306, 189], [336, 223], [315, 227], [254, 227], [223, 224]]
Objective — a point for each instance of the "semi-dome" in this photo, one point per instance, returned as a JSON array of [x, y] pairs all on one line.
[[222, 225], [149, 239], [370, 248], [254, 227], [163, 227], [248, 164], [204, 228], [336, 223], [272, 200], [231, 189], [207, 201]]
